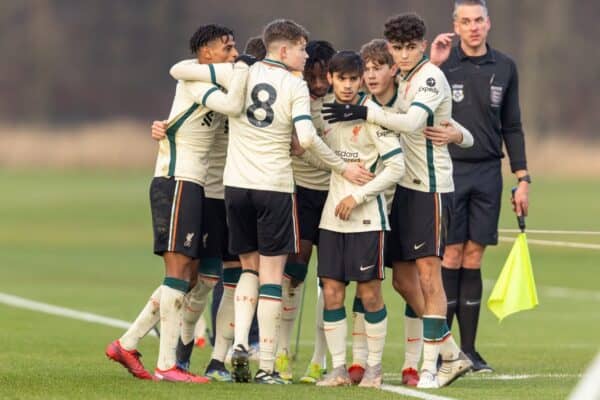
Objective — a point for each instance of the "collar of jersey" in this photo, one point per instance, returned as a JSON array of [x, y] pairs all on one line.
[[392, 100], [362, 98], [274, 63], [413, 71]]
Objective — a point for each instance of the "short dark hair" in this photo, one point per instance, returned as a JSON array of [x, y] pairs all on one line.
[[284, 29], [404, 28], [255, 47], [346, 62], [376, 51], [319, 53], [206, 34], [458, 3]]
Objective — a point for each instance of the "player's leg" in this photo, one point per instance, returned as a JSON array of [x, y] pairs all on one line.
[[332, 273], [278, 235], [360, 350], [484, 212], [242, 219], [406, 283]]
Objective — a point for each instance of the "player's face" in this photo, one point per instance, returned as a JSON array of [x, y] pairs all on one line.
[[407, 55], [222, 50], [295, 55], [472, 25], [378, 77], [345, 85], [316, 79]]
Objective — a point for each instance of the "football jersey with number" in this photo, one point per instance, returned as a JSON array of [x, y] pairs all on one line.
[[258, 156], [361, 141]]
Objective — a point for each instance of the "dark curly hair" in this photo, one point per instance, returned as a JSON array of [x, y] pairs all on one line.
[[255, 47], [206, 34], [404, 28], [319, 53]]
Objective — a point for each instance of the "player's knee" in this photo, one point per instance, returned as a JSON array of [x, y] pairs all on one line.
[[401, 286], [472, 256], [334, 297], [453, 256]]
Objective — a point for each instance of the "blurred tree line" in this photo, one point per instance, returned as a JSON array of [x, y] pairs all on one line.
[[67, 61]]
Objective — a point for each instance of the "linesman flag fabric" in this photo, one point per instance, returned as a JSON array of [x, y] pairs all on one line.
[[515, 289]]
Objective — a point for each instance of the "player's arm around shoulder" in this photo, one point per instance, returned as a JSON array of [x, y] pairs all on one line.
[[190, 70]]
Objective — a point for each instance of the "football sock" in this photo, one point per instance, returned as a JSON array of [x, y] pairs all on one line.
[[451, 279], [471, 288], [145, 321], [320, 350], [413, 338], [193, 306], [225, 317], [171, 307], [360, 349], [336, 326], [200, 328], [291, 297], [435, 331], [376, 330], [246, 296], [269, 318]]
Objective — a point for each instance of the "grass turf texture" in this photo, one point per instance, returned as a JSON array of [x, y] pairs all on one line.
[[82, 240]]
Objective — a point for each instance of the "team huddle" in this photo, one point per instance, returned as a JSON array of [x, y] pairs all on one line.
[[293, 145]]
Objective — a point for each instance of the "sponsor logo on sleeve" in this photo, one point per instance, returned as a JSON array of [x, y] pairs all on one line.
[[429, 86]]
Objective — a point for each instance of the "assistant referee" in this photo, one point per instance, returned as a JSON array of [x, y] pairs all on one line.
[[485, 93]]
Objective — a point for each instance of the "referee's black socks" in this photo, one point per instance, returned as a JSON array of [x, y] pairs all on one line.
[[451, 279], [469, 302]]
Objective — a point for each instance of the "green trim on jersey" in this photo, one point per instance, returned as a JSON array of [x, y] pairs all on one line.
[[301, 117], [391, 153], [392, 100], [415, 69], [379, 198], [208, 93], [274, 63], [429, 144], [213, 74], [171, 131]]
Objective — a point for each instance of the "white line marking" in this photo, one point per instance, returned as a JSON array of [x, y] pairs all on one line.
[[393, 377], [560, 292], [413, 393], [588, 387], [554, 243], [63, 312], [550, 232]]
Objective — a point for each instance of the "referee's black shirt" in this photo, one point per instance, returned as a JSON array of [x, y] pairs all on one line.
[[485, 99]]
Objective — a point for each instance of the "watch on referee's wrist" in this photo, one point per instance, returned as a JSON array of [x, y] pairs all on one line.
[[524, 178]]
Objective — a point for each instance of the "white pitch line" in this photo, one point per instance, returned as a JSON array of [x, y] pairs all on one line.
[[550, 232], [63, 312], [393, 377], [554, 243], [413, 393]]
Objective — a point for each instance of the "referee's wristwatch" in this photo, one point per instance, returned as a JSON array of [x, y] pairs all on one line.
[[524, 178]]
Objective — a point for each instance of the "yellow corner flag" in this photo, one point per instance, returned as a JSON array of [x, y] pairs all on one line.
[[515, 289]]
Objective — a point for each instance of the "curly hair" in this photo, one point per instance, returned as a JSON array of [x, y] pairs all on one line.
[[319, 53], [206, 34], [404, 28], [255, 47]]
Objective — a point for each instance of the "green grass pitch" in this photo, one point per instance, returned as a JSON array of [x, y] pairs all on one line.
[[82, 240]]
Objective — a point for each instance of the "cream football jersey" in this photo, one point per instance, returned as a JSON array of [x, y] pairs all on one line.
[[424, 99], [361, 141]]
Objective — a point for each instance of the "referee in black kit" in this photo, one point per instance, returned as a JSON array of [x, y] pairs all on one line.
[[485, 93]]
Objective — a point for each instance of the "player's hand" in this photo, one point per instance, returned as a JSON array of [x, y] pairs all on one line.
[[520, 200], [345, 207], [440, 48], [357, 173], [246, 59], [335, 112], [296, 149], [443, 134], [159, 129]]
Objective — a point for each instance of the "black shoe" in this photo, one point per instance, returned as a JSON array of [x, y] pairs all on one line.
[[479, 364], [240, 366], [183, 354], [269, 378]]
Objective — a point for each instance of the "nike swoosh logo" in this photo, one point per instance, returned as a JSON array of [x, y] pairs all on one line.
[[471, 303], [367, 267], [412, 340], [346, 115], [418, 246], [451, 302]]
